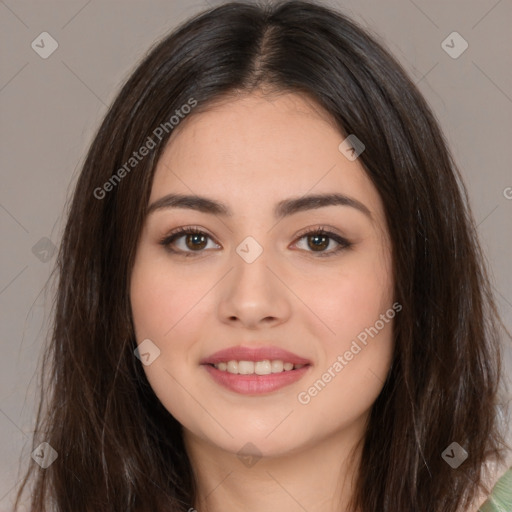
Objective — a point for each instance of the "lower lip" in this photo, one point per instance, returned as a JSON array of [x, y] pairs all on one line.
[[255, 384]]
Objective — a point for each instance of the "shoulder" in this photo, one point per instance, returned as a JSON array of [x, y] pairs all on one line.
[[497, 478]]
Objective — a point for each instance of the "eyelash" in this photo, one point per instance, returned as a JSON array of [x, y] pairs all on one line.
[[178, 233]]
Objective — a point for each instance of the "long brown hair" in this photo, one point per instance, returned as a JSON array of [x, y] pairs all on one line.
[[118, 447]]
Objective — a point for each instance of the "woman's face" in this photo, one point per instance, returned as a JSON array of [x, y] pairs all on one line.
[[252, 279]]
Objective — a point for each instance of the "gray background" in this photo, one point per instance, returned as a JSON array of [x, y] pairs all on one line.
[[51, 107]]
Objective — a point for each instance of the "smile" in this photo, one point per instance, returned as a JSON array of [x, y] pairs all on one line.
[[252, 383], [264, 367]]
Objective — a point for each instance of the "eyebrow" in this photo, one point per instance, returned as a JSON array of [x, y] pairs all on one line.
[[282, 209]]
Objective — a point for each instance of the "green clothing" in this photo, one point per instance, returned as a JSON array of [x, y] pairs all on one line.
[[500, 499]]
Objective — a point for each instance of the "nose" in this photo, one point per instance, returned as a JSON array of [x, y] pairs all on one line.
[[254, 295]]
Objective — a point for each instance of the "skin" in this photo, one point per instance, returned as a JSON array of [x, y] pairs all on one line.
[[263, 149]]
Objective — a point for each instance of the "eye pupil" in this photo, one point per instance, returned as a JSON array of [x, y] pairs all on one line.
[[193, 237], [322, 245]]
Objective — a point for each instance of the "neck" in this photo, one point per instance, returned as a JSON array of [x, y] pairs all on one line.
[[318, 477]]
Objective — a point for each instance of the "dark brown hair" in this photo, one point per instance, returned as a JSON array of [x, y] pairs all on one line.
[[118, 448]]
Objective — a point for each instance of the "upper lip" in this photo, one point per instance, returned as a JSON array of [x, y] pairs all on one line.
[[241, 353]]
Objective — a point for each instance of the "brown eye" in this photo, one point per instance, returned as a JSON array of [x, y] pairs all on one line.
[[318, 242], [194, 241]]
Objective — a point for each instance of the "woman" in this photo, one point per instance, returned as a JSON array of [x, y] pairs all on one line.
[[271, 291]]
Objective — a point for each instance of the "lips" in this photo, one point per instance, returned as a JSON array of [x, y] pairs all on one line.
[[254, 354], [255, 384]]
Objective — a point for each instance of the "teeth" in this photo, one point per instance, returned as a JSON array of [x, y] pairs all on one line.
[[265, 367], [245, 367], [277, 366], [232, 367]]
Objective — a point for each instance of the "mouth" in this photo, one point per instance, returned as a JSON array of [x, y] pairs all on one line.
[[255, 371], [259, 356], [264, 367], [252, 383]]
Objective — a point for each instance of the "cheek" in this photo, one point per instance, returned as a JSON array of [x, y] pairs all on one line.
[[353, 296], [354, 362], [357, 306], [160, 300], [161, 309], [168, 309]]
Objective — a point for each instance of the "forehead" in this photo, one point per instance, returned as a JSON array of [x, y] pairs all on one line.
[[260, 147], [252, 128]]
